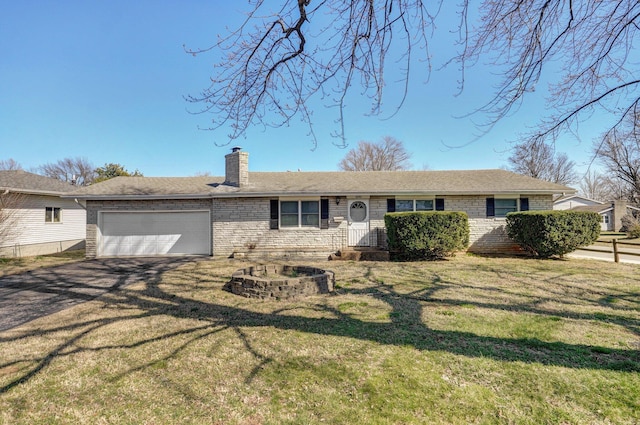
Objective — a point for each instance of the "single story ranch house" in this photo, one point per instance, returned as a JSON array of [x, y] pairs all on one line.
[[294, 213]]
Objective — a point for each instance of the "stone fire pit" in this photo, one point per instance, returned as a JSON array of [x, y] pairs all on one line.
[[281, 282]]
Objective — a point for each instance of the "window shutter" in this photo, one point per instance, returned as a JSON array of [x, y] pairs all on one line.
[[439, 204], [491, 210], [324, 213], [524, 204], [273, 223], [391, 205]]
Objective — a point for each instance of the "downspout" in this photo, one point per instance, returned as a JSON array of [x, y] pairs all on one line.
[[84, 207]]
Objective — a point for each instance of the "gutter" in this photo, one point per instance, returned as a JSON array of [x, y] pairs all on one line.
[[34, 192], [116, 197]]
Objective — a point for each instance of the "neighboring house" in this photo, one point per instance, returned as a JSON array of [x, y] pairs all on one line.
[[611, 212], [287, 213], [572, 201], [34, 219]]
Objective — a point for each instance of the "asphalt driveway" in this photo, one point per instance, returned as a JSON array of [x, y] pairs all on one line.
[[37, 293]]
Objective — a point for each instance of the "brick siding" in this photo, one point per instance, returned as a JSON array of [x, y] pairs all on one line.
[[241, 225]]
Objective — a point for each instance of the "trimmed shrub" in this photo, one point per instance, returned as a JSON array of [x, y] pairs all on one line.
[[549, 233], [631, 226], [634, 232], [426, 235]]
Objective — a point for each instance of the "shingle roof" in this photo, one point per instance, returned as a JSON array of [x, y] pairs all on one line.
[[24, 182], [575, 196], [593, 208], [326, 183]]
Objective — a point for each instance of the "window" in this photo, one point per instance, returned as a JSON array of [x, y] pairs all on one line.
[[52, 214], [504, 206], [289, 213], [414, 205], [500, 207], [424, 204], [404, 205], [300, 213], [310, 213]]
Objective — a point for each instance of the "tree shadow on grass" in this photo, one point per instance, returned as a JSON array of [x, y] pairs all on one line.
[[405, 326]]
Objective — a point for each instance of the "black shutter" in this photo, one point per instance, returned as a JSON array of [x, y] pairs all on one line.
[[491, 209], [524, 204], [391, 205], [324, 213], [273, 223], [439, 204]]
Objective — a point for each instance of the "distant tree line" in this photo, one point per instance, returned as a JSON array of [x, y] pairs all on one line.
[[617, 151], [77, 171]]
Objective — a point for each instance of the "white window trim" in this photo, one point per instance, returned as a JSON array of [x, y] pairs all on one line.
[[46, 215], [506, 196], [299, 200], [418, 198]]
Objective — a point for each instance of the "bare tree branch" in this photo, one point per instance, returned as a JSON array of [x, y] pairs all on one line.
[[387, 155], [78, 171], [600, 187], [270, 72], [10, 164], [10, 204], [539, 160], [275, 62], [587, 43], [619, 152]]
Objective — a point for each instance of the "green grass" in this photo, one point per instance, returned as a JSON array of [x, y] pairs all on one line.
[[19, 265], [468, 340], [621, 237]]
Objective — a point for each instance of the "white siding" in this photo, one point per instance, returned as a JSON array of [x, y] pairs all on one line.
[[576, 201], [30, 227]]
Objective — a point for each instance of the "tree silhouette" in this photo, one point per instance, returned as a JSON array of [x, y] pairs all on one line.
[[278, 59]]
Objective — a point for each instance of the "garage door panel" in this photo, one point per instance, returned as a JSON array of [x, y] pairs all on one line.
[[185, 242], [155, 233]]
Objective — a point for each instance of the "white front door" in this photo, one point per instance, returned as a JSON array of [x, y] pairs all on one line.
[[358, 222]]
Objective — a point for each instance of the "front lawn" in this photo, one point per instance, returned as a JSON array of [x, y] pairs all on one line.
[[10, 265], [469, 340]]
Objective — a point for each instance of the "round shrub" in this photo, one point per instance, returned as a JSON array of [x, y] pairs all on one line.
[[549, 233], [426, 235]]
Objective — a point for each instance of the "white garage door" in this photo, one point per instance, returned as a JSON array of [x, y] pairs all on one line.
[[154, 233]]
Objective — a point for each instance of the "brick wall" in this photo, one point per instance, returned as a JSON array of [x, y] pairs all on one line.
[[487, 234], [241, 225]]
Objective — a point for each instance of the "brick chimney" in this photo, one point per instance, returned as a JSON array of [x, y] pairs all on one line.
[[619, 211], [236, 168]]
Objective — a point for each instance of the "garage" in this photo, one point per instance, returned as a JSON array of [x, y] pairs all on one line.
[[150, 233]]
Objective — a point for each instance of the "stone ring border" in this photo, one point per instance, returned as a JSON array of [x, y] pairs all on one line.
[[281, 282]]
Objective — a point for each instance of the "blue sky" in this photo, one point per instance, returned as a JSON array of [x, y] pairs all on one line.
[[105, 80]]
